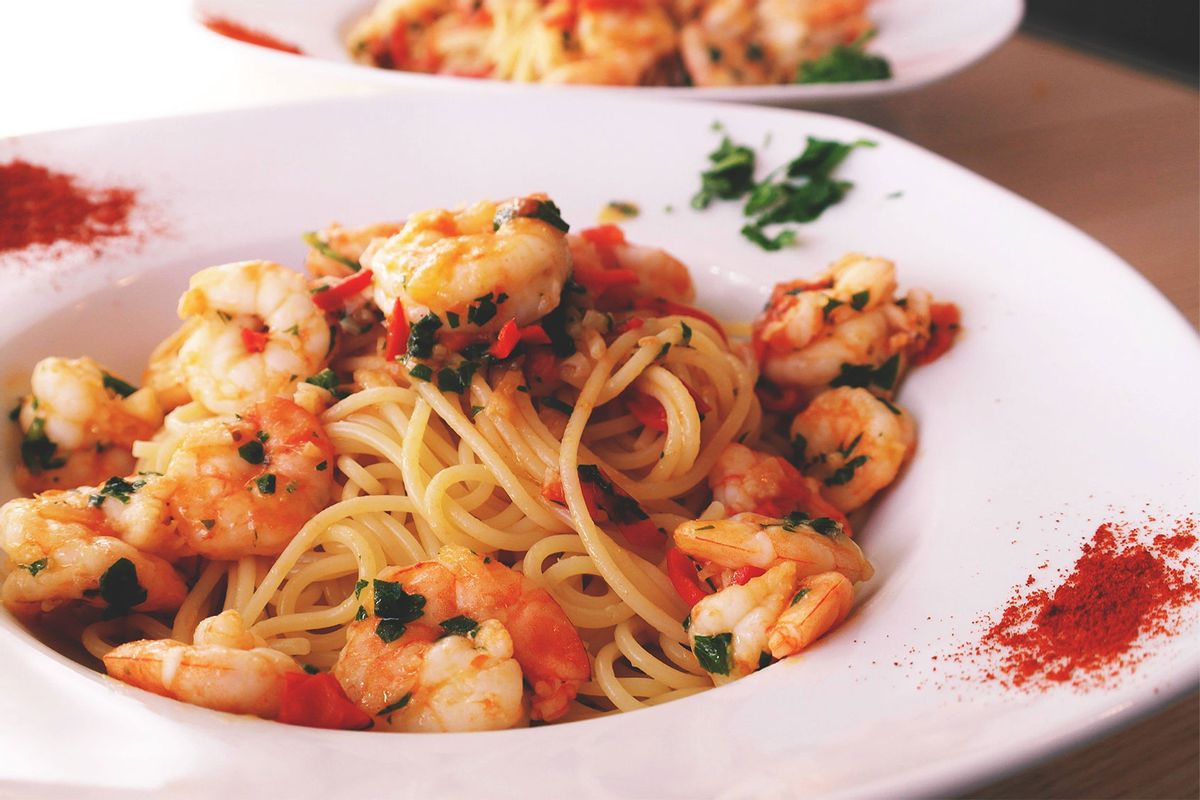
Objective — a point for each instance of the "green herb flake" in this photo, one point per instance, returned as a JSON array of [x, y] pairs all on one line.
[[687, 622], [793, 520], [291, 487], [116, 488], [843, 474], [359, 585], [115, 384], [265, 483], [482, 311], [326, 379], [859, 300], [687, 333], [448, 380], [321, 467], [34, 567], [729, 176], [765, 659], [252, 452], [310, 669], [666, 348], [798, 596], [422, 372], [208, 523], [624, 208], [771, 244], [845, 63], [396, 706], [422, 335], [459, 626], [360, 615], [316, 243], [558, 405], [475, 411], [754, 52], [545, 210], [830, 304], [390, 629], [119, 587], [395, 607], [706, 528], [452, 319], [37, 451], [713, 652]]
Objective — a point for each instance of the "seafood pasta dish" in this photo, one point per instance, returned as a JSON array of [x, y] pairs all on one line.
[[469, 471], [622, 42]]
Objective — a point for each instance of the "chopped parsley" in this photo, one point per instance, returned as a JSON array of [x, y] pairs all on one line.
[[845, 63], [863, 375], [798, 596], [326, 379], [859, 300], [545, 210], [208, 523], [729, 176], [783, 239], [485, 309], [265, 483], [421, 336], [713, 652], [843, 474], [396, 706], [322, 247], [452, 319], [687, 333], [826, 526], [115, 384], [322, 466], [558, 405], [830, 304], [359, 585], [34, 567], [687, 622], [622, 208], [37, 451], [754, 52], [449, 380], [765, 659], [310, 669], [119, 587], [621, 508], [395, 607], [666, 348], [459, 626], [475, 411], [252, 452], [360, 615], [422, 372], [116, 488]]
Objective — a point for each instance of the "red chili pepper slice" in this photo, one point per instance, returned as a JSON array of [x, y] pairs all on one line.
[[945, 319], [507, 340], [741, 575], [534, 334], [682, 572], [318, 701], [397, 332], [553, 492], [631, 324], [643, 533], [604, 235], [640, 533], [255, 341], [336, 296], [647, 411]]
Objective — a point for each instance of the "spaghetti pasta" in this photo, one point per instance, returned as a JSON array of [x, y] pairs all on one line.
[[534, 492]]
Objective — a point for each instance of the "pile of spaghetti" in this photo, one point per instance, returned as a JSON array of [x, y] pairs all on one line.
[[621, 42], [472, 471]]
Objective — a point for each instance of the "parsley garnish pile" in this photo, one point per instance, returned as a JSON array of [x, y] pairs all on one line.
[[845, 63], [798, 192]]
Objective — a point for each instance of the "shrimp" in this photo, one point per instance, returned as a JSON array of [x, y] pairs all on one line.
[[421, 682], [229, 668], [845, 325], [746, 480], [793, 31], [659, 274], [247, 486], [741, 628], [79, 425], [753, 540], [617, 44], [854, 442], [463, 587], [720, 49], [334, 250], [259, 333], [164, 373], [505, 258], [64, 549]]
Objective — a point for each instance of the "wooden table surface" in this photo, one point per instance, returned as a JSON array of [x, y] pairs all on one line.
[[1115, 152], [1111, 150]]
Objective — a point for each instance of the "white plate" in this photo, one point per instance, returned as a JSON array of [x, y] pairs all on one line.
[[1069, 396], [924, 40]]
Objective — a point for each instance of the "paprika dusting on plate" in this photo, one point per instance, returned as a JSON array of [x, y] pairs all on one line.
[[1125, 588], [41, 207], [234, 30]]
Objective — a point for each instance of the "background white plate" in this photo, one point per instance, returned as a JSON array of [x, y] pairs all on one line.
[[1069, 396], [924, 40]]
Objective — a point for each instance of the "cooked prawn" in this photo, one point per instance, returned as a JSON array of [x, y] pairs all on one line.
[[747, 480], [498, 256], [421, 682], [334, 249], [228, 668], [616, 44], [259, 333], [461, 584], [854, 442], [659, 274], [164, 373], [739, 629], [79, 425], [754, 540], [246, 486], [848, 317], [64, 549]]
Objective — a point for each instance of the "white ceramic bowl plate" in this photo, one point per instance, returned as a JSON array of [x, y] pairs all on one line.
[[1069, 395]]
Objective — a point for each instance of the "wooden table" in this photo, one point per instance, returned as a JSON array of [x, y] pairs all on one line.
[[1111, 150], [1116, 153]]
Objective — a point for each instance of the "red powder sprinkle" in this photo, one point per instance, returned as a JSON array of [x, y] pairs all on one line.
[[234, 30], [1087, 630], [41, 207]]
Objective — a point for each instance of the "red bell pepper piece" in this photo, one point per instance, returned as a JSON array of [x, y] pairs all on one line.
[[336, 296], [255, 341], [604, 235], [397, 332], [507, 340], [682, 572], [318, 701]]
